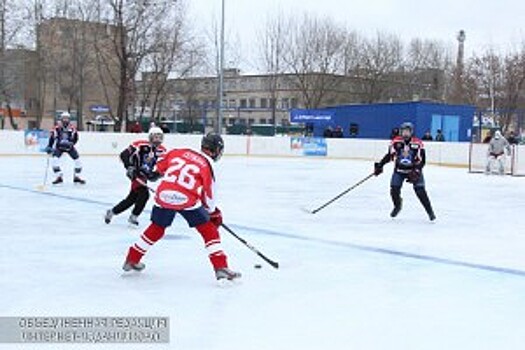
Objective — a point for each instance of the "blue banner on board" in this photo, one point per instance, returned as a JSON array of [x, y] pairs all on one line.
[[309, 146], [36, 140]]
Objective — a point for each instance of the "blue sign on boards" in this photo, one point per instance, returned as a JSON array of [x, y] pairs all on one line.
[[36, 140], [309, 146], [310, 115], [99, 109]]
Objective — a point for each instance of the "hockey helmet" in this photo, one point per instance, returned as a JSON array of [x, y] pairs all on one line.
[[406, 126], [213, 144], [155, 135], [65, 118]]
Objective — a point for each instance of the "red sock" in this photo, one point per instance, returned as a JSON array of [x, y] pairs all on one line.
[[152, 234], [212, 241]]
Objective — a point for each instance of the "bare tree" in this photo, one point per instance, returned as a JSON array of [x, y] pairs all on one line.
[[10, 26], [425, 66], [381, 59], [134, 25], [314, 56], [175, 53], [496, 84], [272, 47]]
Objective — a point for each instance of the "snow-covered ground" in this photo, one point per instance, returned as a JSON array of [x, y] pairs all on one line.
[[350, 277]]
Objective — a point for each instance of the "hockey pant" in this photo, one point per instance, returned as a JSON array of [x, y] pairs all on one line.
[[498, 160]]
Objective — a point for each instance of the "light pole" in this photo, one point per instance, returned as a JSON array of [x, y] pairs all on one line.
[[221, 74]]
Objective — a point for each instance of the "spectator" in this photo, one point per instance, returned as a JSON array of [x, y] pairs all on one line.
[[427, 136], [439, 136], [512, 139], [135, 128], [165, 128], [328, 132], [488, 137], [338, 132], [394, 133]]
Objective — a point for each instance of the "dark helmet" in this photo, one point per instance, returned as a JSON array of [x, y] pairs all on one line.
[[214, 144], [406, 126]]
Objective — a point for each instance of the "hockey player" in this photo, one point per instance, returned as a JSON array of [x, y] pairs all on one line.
[[409, 158], [498, 146], [63, 139], [188, 188], [139, 159]]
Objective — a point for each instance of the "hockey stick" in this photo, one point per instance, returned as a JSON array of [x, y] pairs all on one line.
[[139, 180], [274, 264], [44, 183], [339, 195]]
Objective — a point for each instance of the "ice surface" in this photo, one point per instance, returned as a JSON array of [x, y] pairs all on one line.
[[350, 277]]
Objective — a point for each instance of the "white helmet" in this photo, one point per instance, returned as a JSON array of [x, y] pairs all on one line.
[[65, 115], [156, 135], [497, 135]]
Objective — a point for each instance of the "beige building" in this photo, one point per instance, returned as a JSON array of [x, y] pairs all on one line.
[[76, 59], [248, 99]]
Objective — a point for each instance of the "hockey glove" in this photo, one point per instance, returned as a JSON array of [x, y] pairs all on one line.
[[49, 150], [131, 172], [414, 175], [216, 217], [378, 168]]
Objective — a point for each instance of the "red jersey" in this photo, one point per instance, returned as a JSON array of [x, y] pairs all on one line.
[[188, 181]]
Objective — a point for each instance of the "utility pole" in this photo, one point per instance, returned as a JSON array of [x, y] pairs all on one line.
[[221, 75]]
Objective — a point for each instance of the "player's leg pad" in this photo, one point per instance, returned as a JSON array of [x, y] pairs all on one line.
[[212, 242], [142, 196], [425, 201], [150, 236], [395, 194], [126, 203]]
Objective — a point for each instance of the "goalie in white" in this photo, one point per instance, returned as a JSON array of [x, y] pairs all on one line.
[[498, 146]]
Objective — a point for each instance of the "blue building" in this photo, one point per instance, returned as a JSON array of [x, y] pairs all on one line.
[[376, 121]]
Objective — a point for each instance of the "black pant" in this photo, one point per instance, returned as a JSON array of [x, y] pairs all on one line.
[[138, 197]]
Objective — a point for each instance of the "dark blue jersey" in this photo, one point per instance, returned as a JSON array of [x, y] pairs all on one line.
[[142, 155], [406, 154], [63, 138]]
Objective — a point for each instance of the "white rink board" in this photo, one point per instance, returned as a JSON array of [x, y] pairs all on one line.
[[91, 143]]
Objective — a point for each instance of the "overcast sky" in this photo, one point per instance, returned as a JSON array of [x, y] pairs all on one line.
[[498, 23]]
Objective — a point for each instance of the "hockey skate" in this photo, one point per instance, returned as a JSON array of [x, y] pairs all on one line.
[[128, 266], [133, 220], [227, 274], [108, 216], [78, 180], [58, 180], [396, 209]]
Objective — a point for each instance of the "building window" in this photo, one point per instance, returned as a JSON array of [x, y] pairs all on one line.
[[293, 103], [262, 121], [243, 103], [252, 103], [242, 121], [233, 103], [285, 103], [272, 102], [264, 103], [231, 121], [251, 121]]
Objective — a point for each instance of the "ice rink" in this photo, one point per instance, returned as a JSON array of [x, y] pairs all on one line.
[[350, 277]]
